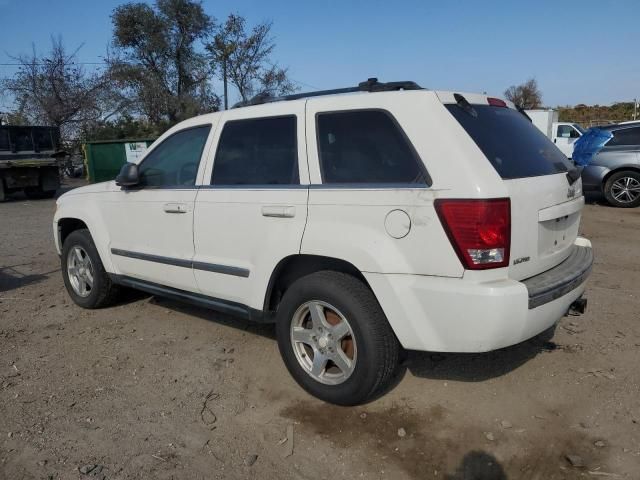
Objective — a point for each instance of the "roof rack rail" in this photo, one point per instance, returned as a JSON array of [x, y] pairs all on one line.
[[371, 85]]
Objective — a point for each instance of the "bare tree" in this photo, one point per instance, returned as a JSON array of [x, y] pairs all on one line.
[[244, 58], [156, 60], [526, 96], [53, 89]]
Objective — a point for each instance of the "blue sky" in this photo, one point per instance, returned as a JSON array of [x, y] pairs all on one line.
[[579, 51]]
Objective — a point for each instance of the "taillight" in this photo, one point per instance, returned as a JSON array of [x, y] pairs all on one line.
[[479, 230], [496, 102]]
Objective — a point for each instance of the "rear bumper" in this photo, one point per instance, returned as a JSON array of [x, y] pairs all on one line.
[[458, 315], [561, 279]]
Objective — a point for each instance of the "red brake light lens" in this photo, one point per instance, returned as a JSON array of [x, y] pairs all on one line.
[[496, 102], [479, 230]]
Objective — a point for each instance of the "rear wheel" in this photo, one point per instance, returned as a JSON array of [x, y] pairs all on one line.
[[335, 340], [622, 189], [36, 193], [85, 278]]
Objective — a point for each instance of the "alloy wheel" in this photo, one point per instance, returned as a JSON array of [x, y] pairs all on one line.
[[625, 189], [323, 342], [80, 271]]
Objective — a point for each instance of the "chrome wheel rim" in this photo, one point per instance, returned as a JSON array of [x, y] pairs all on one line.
[[625, 190], [80, 271], [323, 342]]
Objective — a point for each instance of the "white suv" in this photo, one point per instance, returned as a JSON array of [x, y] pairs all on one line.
[[361, 221]]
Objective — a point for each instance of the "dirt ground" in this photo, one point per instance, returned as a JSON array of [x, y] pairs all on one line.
[[152, 389]]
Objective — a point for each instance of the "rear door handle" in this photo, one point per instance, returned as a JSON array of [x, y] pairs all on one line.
[[175, 208], [279, 211]]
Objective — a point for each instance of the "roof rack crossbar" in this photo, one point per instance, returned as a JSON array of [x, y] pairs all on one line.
[[371, 85]]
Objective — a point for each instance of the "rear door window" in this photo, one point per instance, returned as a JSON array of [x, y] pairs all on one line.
[[624, 137], [513, 145], [366, 146], [257, 151]]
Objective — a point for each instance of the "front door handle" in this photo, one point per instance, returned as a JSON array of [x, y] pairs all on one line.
[[175, 208], [279, 211]]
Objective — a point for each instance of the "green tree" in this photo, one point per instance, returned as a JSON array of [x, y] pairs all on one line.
[[158, 60], [244, 60], [591, 115], [53, 89], [14, 117], [125, 126], [526, 95]]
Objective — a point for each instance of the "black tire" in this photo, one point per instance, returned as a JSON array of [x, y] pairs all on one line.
[[378, 349], [104, 292], [610, 189], [36, 193]]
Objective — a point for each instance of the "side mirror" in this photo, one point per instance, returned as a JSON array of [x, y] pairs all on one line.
[[128, 176]]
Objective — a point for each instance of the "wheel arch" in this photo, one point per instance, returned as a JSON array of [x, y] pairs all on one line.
[[294, 267], [621, 168], [67, 225], [71, 221]]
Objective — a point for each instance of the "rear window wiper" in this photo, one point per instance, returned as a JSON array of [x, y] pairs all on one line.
[[573, 174], [465, 105], [521, 110]]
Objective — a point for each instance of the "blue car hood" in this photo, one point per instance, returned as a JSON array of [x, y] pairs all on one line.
[[589, 144]]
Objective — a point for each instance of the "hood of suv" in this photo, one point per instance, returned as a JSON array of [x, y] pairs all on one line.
[[92, 188]]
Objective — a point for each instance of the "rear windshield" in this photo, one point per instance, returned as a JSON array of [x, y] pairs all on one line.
[[513, 145]]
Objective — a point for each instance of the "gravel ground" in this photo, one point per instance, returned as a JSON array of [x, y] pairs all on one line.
[[155, 389]]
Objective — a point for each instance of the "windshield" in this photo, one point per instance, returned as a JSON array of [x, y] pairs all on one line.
[[513, 145], [579, 128]]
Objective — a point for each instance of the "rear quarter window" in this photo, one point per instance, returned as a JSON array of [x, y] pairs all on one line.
[[366, 147], [625, 137], [511, 143]]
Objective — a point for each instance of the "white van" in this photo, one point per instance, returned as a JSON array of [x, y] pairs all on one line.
[[563, 134]]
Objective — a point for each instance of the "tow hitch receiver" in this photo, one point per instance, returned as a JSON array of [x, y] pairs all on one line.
[[578, 307]]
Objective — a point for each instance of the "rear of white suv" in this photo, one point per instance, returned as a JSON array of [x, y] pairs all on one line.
[[515, 235], [359, 223]]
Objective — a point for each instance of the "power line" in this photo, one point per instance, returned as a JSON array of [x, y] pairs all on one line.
[[107, 63], [45, 63], [304, 84]]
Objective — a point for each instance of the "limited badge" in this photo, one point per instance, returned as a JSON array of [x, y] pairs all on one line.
[[521, 260]]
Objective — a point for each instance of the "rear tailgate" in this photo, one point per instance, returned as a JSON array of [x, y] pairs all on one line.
[[545, 204], [545, 216]]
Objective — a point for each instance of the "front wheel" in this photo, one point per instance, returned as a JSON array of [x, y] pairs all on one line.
[[335, 339], [622, 189], [85, 278]]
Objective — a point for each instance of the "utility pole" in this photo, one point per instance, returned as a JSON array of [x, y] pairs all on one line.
[[635, 108], [221, 52], [227, 50], [224, 81]]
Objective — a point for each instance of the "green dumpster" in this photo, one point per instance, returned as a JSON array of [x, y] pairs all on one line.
[[104, 158]]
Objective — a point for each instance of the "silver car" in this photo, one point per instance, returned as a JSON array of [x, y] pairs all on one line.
[[614, 169]]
